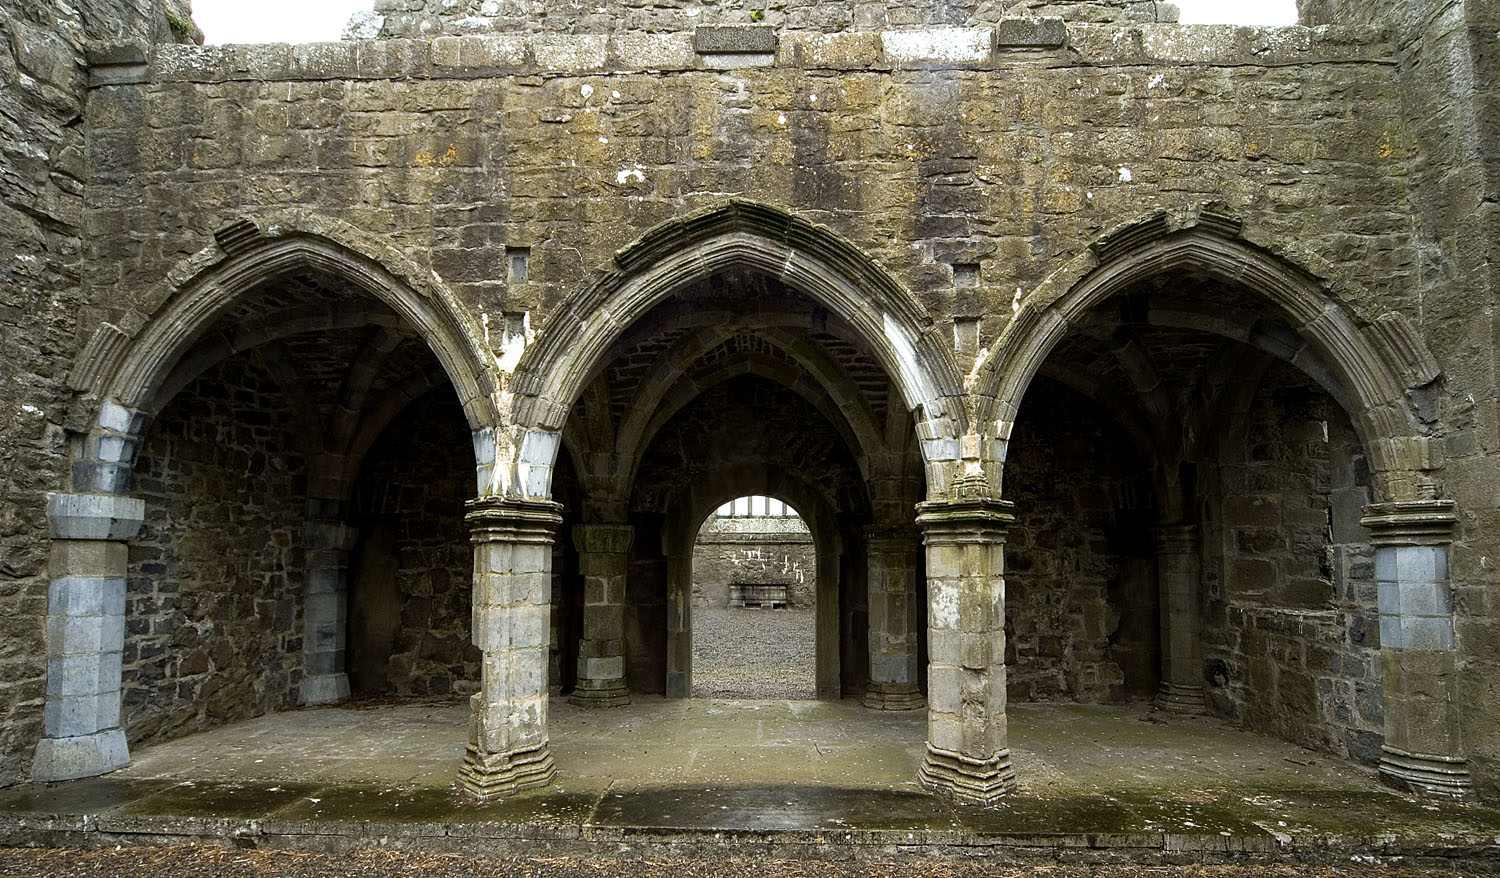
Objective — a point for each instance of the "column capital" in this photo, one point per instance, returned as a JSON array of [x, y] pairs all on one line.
[[496, 519], [1411, 522], [979, 517], [94, 516], [1178, 539], [604, 539]]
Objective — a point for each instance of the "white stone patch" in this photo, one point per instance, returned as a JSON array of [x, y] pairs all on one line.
[[948, 45], [513, 345], [31, 410], [906, 360], [944, 606], [780, 118], [1156, 80], [628, 175], [1125, 175], [1015, 303], [587, 91]]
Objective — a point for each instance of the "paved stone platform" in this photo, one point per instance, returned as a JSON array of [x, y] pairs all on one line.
[[761, 778]]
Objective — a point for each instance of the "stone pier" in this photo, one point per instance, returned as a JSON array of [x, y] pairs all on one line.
[[85, 634], [1179, 575], [508, 747], [602, 560], [893, 636], [1424, 748], [968, 753]]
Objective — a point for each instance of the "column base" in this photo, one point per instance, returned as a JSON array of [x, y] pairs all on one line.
[[974, 781], [80, 756], [1174, 698], [1436, 777], [325, 689], [488, 776], [600, 693], [894, 696]]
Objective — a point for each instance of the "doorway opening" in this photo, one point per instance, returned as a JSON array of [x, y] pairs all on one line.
[[754, 603]]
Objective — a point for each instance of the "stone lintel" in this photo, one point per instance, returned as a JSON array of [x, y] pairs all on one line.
[[734, 39], [487, 776], [966, 780], [1436, 777], [1410, 522], [80, 756], [94, 516]]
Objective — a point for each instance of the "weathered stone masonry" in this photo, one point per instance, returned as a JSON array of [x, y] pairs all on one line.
[[1253, 259]]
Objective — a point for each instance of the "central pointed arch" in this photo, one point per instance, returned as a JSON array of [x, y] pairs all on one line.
[[812, 259]]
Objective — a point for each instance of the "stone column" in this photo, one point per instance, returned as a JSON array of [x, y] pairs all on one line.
[[892, 571], [1423, 750], [326, 616], [85, 634], [1179, 566], [508, 750], [602, 560], [968, 754]]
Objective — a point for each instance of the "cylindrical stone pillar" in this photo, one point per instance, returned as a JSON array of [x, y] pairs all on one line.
[[326, 616], [1423, 750], [968, 753], [892, 571], [1179, 566], [602, 561], [508, 748], [85, 634]]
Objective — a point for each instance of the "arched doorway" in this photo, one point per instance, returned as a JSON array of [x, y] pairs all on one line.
[[754, 602], [224, 459]]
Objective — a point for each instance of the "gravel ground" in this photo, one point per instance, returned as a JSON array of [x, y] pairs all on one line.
[[199, 861], [754, 653]]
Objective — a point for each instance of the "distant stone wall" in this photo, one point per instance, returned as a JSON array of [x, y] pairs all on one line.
[[428, 18], [1356, 12], [1080, 612], [214, 601], [758, 551], [411, 573], [1292, 642]]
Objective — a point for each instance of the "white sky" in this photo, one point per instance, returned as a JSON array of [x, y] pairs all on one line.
[[311, 21]]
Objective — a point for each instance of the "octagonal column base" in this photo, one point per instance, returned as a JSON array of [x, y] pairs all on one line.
[[971, 781], [487, 776]]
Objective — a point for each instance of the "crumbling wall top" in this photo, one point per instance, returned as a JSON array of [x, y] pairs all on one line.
[[429, 18]]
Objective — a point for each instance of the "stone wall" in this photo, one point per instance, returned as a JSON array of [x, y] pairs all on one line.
[[428, 18], [760, 551], [1292, 643], [1081, 608], [213, 615], [411, 572], [42, 178]]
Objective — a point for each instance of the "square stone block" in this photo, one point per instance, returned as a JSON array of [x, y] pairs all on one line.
[[1426, 633], [1390, 631], [606, 668], [90, 559], [78, 635], [72, 715], [83, 675], [1424, 599]]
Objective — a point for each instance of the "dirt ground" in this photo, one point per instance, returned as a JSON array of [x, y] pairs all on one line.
[[193, 861]]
